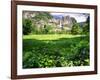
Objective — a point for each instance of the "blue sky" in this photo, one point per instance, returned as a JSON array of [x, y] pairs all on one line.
[[80, 17]]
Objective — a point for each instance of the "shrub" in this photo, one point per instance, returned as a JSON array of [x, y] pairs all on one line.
[[27, 26], [76, 29], [86, 28], [80, 53]]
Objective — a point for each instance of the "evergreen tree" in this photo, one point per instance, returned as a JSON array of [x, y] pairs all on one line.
[[76, 29]]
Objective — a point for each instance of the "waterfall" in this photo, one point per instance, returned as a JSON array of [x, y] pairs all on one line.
[[60, 25]]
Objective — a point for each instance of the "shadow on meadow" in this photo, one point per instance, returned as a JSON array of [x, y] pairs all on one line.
[[56, 53]]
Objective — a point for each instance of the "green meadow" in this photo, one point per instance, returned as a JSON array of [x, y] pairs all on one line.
[[55, 50]]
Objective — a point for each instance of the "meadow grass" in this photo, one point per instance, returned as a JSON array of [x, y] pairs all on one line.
[[50, 36], [55, 50]]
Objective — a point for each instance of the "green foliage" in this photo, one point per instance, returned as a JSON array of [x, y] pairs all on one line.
[[81, 53], [86, 26], [42, 16], [42, 19], [44, 23], [76, 29], [47, 29], [61, 50], [34, 29], [27, 26], [53, 47]]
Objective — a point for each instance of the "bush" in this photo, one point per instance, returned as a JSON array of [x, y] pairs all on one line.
[[76, 29], [80, 53], [85, 28], [27, 26]]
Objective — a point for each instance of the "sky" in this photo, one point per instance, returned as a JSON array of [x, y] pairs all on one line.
[[80, 17]]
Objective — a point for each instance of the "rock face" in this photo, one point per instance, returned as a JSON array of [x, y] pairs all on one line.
[[67, 22], [29, 14], [58, 22]]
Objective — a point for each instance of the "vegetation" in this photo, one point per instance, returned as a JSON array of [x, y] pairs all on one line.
[[86, 26], [76, 29], [51, 51], [45, 45], [27, 26]]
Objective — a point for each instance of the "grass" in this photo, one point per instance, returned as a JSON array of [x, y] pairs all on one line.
[[55, 50], [50, 36]]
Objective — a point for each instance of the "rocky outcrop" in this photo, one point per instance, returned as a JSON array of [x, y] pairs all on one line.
[[58, 22]]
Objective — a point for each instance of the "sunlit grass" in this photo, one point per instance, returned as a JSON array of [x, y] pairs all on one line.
[[50, 36]]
